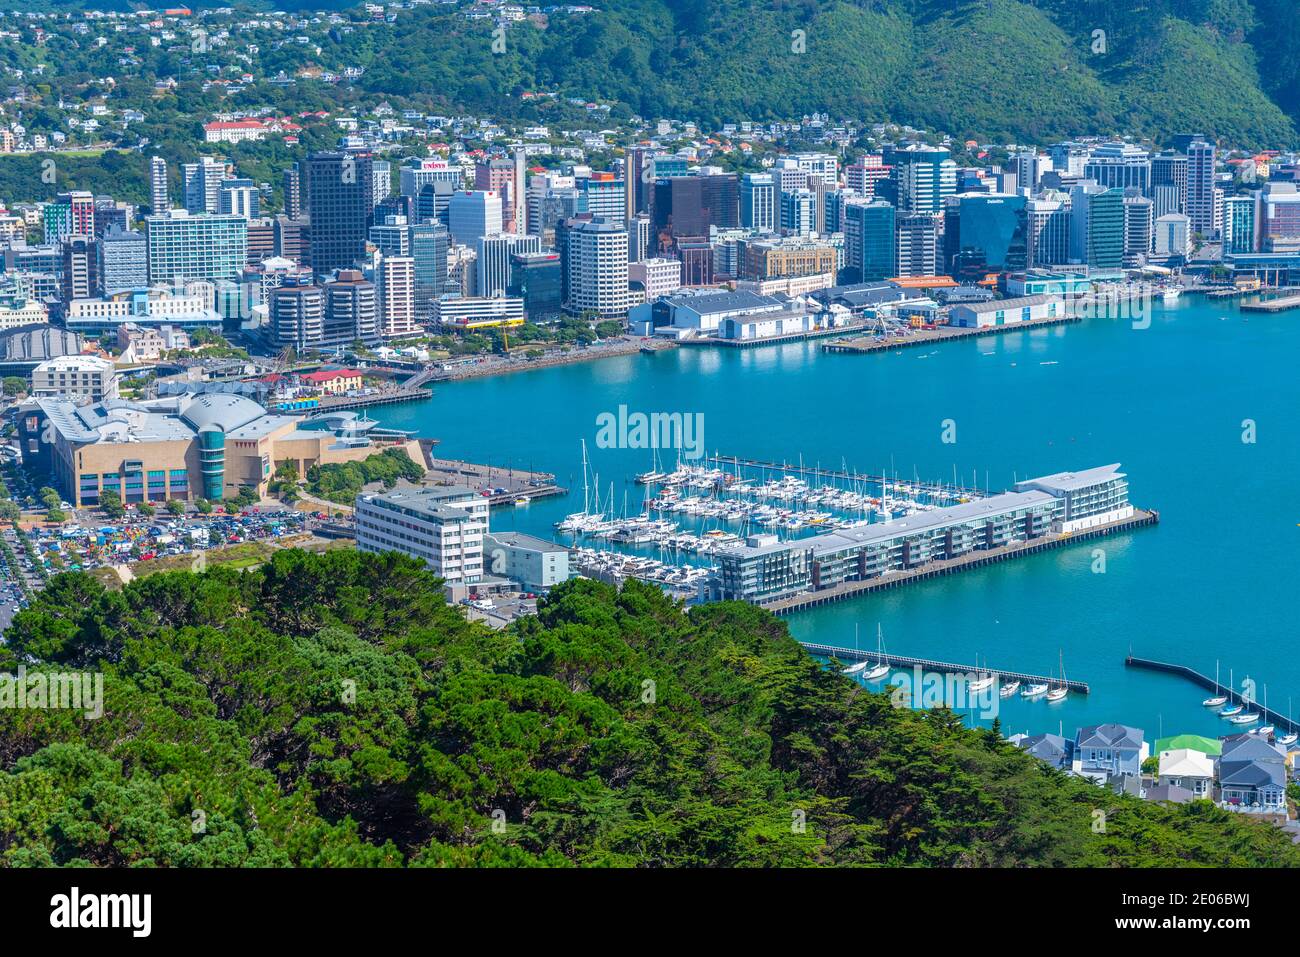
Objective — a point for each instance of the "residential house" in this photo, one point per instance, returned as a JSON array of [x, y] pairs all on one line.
[[1183, 767], [1252, 775], [1051, 749], [1103, 752]]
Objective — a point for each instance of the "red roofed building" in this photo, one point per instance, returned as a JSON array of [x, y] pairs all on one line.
[[332, 382]]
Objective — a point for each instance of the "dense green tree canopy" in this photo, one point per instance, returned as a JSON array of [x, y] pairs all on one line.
[[333, 710]]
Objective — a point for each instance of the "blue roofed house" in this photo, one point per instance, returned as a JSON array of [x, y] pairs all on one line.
[[1051, 749], [1105, 752], [1252, 775]]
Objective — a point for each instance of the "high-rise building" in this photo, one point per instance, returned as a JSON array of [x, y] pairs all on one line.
[[201, 183], [71, 214], [340, 206], [1173, 235], [238, 197], [123, 262], [1028, 165], [293, 192], [1239, 222], [430, 243], [916, 245], [351, 311], [414, 175], [395, 288], [638, 238], [926, 178], [1047, 230], [1097, 226], [868, 239], [184, 247], [603, 196], [983, 233], [1279, 218], [536, 279], [1169, 182], [686, 207], [597, 256], [381, 179], [493, 261], [798, 212], [519, 193], [392, 237], [1121, 165], [863, 176], [1139, 228], [758, 202], [79, 277], [1200, 186], [295, 313], [159, 193], [474, 214]]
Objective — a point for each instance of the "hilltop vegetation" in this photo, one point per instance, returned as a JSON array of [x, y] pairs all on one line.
[[333, 710]]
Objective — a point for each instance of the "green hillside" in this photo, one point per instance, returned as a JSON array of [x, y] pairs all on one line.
[[332, 710]]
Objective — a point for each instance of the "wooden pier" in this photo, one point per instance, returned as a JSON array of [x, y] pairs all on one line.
[[973, 559], [411, 390], [1279, 304], [1267, 715], [939, 667], [925, 337]]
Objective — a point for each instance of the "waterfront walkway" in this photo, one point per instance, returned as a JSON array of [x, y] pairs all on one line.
[[974, 559], [939, 667]]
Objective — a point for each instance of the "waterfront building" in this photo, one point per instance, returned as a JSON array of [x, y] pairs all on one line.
[[534, 564], [1139, 228], [430, 245], [985, 232], [1200, 186], [351, 312], [1279, 219], [1097, 227], [186, 446], [535, 278], [395, 292], [1001, 312], [478, 312], [786, 257], [1173, 236], [1239, 223], [765, 568], [493, 260], [444, 526], [869, 239], [596, 253]]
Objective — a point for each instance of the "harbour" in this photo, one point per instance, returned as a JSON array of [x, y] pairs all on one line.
[[1103, 391]]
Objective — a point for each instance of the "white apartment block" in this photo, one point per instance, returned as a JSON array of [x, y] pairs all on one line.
[[441, 525]]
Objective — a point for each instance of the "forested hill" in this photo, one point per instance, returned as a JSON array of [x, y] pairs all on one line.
[[1024, 70], [332, 710]]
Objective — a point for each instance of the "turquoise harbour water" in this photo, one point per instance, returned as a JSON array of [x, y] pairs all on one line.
[[1214, 580]]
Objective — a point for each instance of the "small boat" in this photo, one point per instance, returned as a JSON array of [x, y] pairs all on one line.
[[881, 669], [1170, 293], [1034, 690], [1264, 730], [1230, 711], [856, 669], [1219, 700], [876, 673], [1248, 718], [1288, 739], [1007, 690], [981, 684], [1060, 691], [649, 350], [521, 501]]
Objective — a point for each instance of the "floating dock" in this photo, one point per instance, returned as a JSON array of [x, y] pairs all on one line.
[[975, 559], [773, 340], [1267, 715], [939, 667], [925, 337]]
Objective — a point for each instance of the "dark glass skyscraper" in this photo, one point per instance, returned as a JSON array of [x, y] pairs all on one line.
[[340, 195]]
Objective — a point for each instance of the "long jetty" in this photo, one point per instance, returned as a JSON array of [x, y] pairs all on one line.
[[939, 667], [1267, 715], [974, 559], [1278, 304], [925, 337]]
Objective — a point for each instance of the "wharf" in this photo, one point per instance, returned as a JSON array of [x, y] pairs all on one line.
[[518, 483], [974, 559], [939, 667], [923, 337], [412, 389], [1267, 715], [1279, 304]]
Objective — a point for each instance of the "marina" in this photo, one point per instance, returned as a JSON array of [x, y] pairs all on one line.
[[1239, 702]]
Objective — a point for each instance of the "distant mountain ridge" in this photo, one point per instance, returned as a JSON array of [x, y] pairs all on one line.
[[1024, 70]]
